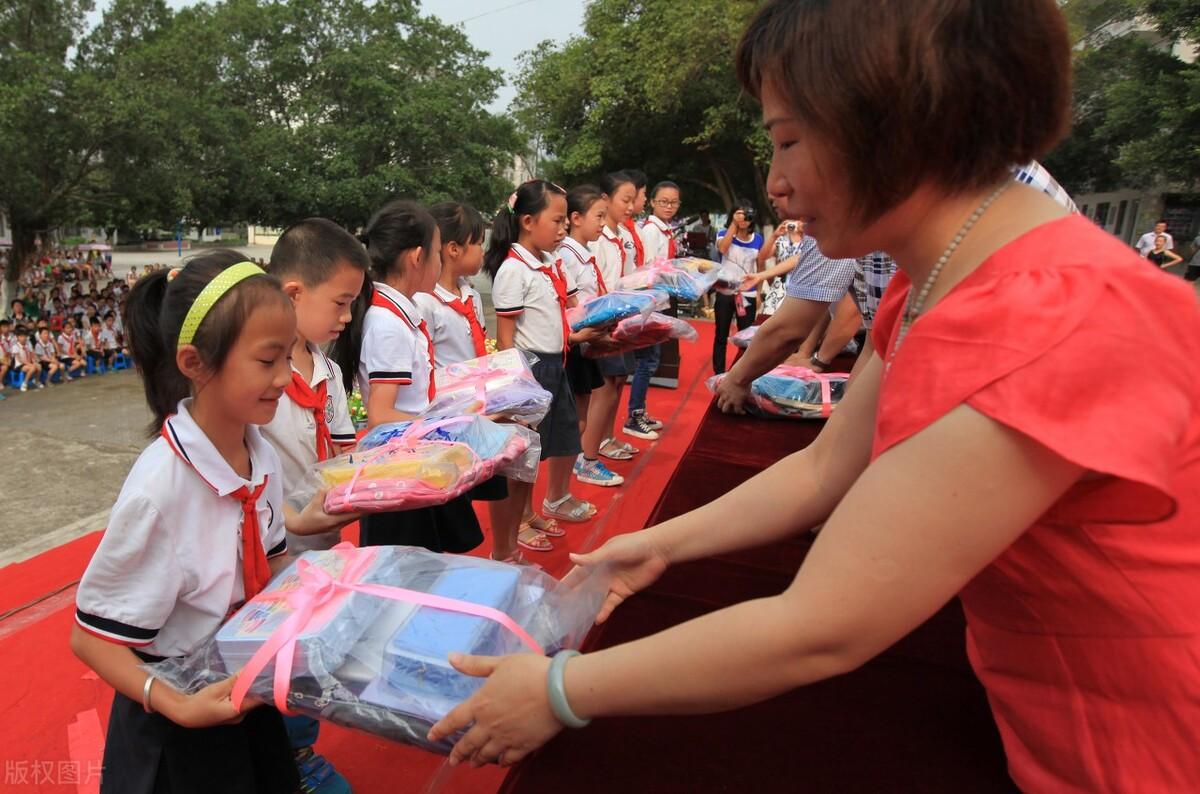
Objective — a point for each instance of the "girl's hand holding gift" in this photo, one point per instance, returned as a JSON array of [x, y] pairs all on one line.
[[209, 707], [314, 520]]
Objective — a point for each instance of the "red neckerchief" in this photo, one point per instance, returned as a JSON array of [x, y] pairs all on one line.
[[256, 572], [559, 283], [314, 400], [640, 254], [70, 342], [613, 237], [467, 310], [601, 289], [95, 339], [386, 303], [670, 237]]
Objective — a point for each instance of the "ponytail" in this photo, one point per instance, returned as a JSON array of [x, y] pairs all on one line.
[[528, 199], [156, 308], [398, 227]]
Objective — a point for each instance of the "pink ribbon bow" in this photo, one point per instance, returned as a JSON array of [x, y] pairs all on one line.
[[826, 379], [317, 589]]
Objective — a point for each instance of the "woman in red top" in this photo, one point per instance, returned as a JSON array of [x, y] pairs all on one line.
[[1025, 437]]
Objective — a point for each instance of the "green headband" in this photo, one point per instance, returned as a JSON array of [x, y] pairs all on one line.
[[226, 280]]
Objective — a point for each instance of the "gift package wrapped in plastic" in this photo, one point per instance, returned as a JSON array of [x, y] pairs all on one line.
[[637, 332], [794, 392], [425, 462], [679, 282], [499, 384], [742, 338], [361, 637], [609, 309]]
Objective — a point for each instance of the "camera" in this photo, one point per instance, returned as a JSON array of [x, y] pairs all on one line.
[[748, 214]]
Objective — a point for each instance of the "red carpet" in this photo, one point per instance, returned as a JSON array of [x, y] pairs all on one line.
[[56, 710], [913, 719]]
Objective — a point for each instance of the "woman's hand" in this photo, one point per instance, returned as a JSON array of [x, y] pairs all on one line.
[[635, 561], [313, 520], [511, 711], [751, 281], [209, 707]]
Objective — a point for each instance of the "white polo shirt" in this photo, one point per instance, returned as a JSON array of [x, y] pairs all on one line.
[[609, 251], [293, 431], [523, 291], [579, 262], [451, 331], [656, 239], [169, 567], [395, 350], [46, 350], [68, 344]]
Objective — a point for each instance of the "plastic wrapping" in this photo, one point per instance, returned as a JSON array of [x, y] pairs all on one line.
[[360, 637], [637, 332], [743, 337], [499, 384], [793, 392], [679, 282], [610, 309], [426, 462]]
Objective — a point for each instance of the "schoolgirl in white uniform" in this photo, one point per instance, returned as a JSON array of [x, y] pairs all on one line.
[[197, 530], [390, 346], [616, 256], [588, 209], [453, 309], [531, 293]]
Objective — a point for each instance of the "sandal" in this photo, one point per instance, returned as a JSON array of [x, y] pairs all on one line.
[[617, 450], [569, 509], [547, 526], [516, 558], [538, 542]]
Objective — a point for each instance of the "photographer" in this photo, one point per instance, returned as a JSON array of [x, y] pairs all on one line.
[[739, 244]]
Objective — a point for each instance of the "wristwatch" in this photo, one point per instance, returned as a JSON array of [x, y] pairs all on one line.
[[817, 364]]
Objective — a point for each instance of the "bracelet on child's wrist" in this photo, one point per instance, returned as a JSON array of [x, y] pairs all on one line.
[[146, 694], [558, 694]]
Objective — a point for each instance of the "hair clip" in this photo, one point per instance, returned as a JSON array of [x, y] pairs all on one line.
[[172, 273], [512, 202]]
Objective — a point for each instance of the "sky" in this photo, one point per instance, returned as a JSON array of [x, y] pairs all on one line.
[[503, 28]]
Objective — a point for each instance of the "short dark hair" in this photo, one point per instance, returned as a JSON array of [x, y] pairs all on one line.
[[666, 184], [638, 178], [962, 90], [313, 249], [581, 198], [1163, 221], [155, 312], [459, 223], [611, 183]]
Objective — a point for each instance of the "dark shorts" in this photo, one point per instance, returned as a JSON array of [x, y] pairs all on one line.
[[582, 373], [617, 366], [559, 431], [493, 490], [452, 527]]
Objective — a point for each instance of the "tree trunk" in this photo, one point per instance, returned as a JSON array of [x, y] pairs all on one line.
[[23, 251]]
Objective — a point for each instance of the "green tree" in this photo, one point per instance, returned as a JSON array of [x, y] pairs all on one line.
[[649, 83], [1136, 116]]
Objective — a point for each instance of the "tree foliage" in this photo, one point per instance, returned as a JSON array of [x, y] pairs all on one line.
[[649, 84], [1136, 106], [240, 110]]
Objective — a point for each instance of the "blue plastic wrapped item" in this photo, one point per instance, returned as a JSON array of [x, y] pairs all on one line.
[[677, 281], [392, 679], [610, 309], [793, 392], [416, 658], [499, 385], [324, 642]]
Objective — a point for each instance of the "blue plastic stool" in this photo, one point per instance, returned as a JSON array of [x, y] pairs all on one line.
[[120, 361]]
